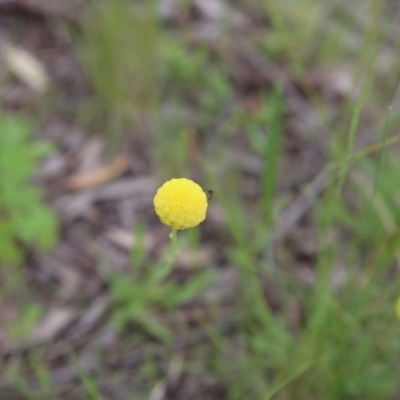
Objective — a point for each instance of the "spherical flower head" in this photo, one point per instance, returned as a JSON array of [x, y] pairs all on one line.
[[397, 308], [181, 204]]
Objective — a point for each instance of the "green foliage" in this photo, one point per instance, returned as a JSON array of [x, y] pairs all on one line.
[[186, 81], [345, 347], [27, 320], [189, 89], [119, 49], [91, 388], [332, 336], [23, 216], [372, 216], [300, 20], [182, 66], [137, 299]]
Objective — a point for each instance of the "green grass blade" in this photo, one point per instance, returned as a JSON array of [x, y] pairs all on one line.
[[91, 388]]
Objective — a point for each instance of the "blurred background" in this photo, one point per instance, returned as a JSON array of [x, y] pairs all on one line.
[[288, 111]]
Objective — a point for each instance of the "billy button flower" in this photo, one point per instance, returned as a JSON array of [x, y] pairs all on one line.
[[180, 204]]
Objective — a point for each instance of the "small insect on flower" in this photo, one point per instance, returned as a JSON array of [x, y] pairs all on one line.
[[181, 204], [210, 194]]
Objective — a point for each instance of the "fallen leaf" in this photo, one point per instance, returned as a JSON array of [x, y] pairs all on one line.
[[98, 176], [55, 321], [26, 67]]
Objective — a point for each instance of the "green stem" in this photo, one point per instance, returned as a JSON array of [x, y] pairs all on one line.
[[174, 240]]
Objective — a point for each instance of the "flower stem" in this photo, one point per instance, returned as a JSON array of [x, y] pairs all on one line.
[[174, 240]]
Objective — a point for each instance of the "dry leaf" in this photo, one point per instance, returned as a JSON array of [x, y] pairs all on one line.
[[26, 67], [55, 321], [99, 175]]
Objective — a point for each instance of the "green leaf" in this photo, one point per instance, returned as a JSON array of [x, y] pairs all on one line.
[[23, 215], [181, 294]]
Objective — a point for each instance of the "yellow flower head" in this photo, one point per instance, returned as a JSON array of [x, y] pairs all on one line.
[[180, 203], [397, 308]]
